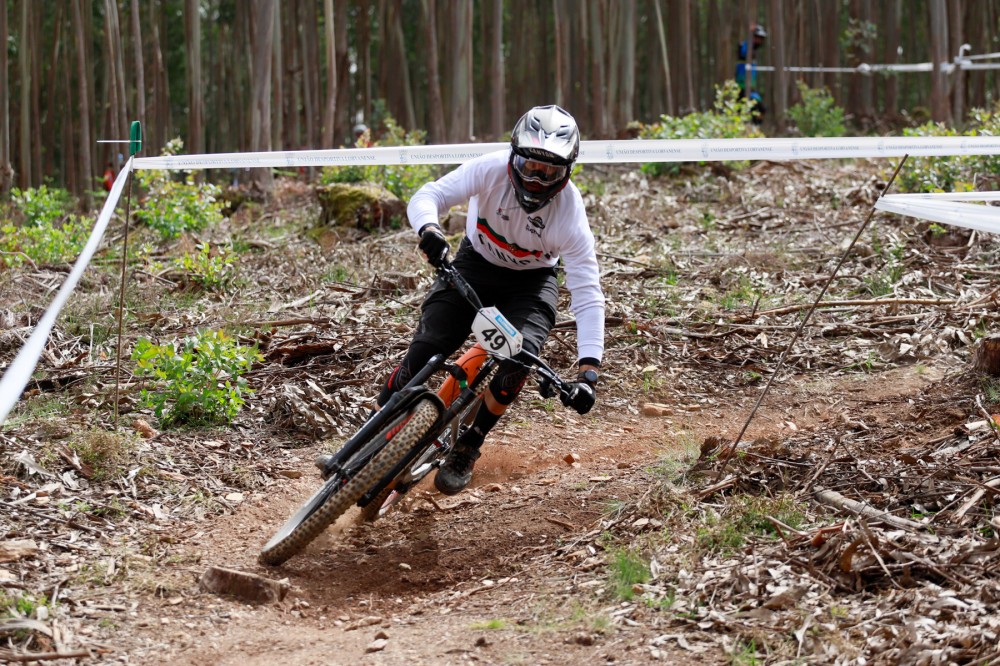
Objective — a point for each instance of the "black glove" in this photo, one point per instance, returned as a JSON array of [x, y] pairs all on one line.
[[433, 244], [581, 397]]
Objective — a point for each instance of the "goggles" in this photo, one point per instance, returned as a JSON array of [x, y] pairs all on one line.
[[541, 173]]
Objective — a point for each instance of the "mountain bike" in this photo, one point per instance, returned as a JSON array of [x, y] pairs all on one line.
[[413, 432]]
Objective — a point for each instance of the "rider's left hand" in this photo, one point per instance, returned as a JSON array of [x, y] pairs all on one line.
[[582, 397]]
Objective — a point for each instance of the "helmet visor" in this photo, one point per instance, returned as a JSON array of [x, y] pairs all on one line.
[[535, 172]]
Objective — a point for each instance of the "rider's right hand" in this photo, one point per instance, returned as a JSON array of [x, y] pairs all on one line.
[[433, 244]]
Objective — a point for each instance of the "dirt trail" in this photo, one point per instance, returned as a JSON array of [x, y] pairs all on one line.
[[447, 585], [473, 579]]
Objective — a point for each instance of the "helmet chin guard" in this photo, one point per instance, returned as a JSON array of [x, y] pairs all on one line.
[[544, 146]]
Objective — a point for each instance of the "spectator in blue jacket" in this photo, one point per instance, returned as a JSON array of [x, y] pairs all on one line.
[[747, 54]]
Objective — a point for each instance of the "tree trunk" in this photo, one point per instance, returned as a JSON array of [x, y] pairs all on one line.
[[24, 40], [71, 170], [460, 86], [399, 38], [597, 74], [627, 45], [955, 41], [263, 53], [6, 171], [987, 355], [363, 27], [330, 112], [342, 128], [890, 49], [160, 124], [310, 76], [831, 53], [434, 102], [684, 64], [277, 83], [195, 92], [779, 90], [938, 30], [140, 70], [661, 29], [493, 14], [83, 67], [116, 86]]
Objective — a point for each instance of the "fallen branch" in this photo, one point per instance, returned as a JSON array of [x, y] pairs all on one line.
[[560, 523], [7, 656], [960, 516], [835, 499], [858, 303]]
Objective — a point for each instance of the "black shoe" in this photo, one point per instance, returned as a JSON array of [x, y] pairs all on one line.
[[456, 470]]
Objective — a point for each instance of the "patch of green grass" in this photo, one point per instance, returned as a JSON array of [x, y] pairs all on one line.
[[22, 605], [747, 516], [677, 458], [336, 273], [990, 387], [651, 379], [744, 654], [662, 603], [495, 624], [106, 453], [626, 569], [38, 408]]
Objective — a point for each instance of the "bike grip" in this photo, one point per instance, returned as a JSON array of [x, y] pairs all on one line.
[[545, 388], [582, 398]]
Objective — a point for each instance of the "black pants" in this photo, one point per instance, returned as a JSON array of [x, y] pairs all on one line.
[[527, 298]]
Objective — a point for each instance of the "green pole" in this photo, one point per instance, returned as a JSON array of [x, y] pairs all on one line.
[[135, 138]]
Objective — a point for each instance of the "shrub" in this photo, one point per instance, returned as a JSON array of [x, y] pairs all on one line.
[[173, 208], [41, 229], [41, 206], [934, 174], [211, 270], [817, 114], [401, 180], [199, 383], [729, 118]]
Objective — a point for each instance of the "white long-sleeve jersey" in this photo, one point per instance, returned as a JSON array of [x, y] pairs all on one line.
[[505, 235]]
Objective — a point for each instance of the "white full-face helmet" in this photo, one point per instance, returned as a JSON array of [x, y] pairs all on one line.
[[544, 145]]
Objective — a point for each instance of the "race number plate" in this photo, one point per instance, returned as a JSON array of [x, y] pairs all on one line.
[[496, 334]]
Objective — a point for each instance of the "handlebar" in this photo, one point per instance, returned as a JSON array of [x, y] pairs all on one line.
[[577, 395]]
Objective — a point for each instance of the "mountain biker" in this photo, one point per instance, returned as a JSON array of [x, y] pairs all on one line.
[[524, 215], [747, 54]]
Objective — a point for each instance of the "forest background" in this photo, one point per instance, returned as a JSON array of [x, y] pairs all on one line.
[[297, 74]]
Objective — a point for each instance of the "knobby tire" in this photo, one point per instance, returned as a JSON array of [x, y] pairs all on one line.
[[310, 520], [373, 511]]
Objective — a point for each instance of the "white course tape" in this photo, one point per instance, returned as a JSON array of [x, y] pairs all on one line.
[[947, 208], [864, 68], [20, 370], [595, 152], [932, 207]]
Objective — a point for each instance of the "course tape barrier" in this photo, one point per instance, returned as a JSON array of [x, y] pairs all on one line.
[[942, 210], [21, 368], [947, 208], [598, 152]]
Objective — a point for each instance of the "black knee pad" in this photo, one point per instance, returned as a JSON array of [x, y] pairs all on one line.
[[507, 383]]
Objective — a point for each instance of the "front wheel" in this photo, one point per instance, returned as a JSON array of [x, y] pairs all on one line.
[[335, 497]]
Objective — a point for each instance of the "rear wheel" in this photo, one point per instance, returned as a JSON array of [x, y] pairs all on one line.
[[335, 497]]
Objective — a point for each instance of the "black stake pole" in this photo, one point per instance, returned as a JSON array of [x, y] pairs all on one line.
[[121, 294], [728, 454]]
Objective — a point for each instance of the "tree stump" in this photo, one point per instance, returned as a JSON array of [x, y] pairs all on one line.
[[987, 356], [364, 206]]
